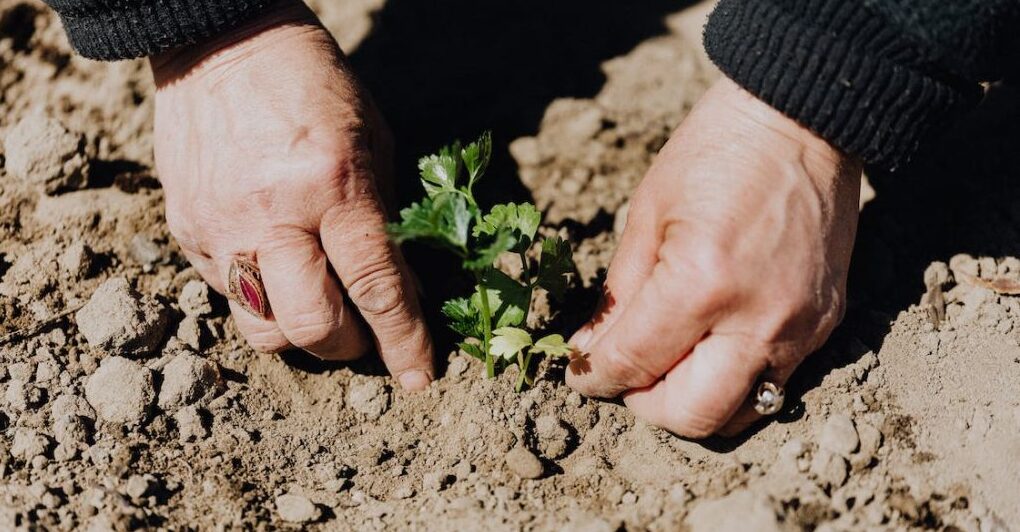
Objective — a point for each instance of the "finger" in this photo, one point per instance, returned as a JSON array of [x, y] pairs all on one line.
[[698, 396], [632, 264], [206, 269], [306, 298], [746, 415], [655, 331], [381, 288], [263, 335]]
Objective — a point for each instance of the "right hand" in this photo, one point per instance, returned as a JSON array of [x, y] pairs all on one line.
[[267, 147]]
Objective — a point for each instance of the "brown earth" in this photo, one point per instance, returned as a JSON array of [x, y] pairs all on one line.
[[908, 418]]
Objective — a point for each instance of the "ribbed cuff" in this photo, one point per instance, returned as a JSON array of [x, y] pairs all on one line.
[[112, 30], [823, 67]]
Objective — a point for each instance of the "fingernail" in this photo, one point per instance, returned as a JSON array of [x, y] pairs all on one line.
[[414, 380]]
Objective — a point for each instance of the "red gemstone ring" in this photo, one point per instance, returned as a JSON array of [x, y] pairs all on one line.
[[244, 282]]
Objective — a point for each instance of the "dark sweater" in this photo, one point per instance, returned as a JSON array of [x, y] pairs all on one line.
[[871, 76]]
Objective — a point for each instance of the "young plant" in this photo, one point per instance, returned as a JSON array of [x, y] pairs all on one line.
[[493, 319]]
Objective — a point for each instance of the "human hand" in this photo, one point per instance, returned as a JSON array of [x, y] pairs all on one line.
[[732, 267], [268, 148]]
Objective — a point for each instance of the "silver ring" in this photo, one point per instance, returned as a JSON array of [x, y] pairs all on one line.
[[769, 398]]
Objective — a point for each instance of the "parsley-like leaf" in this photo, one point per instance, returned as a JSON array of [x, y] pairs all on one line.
[[557, 262], [465, 318], [522, 219], [474, 350], [553, 345], [442, 220], [441, 170], [508, 299], [487, 250], [507, 342], [476, 157]]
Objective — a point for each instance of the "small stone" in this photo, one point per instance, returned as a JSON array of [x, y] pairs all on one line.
[[871, 441], [28, 444], [119, 320], [139, 486], [403, 492], [963, 265], [190, 332], [739, 511], [369, 397], [46, 371], [194, 300], [147, 251], [829, 468], [71, 431], [121, 391], [77, 261], [190, 425], [839, 435], [524, 463], [40, 150], [188, 379], [553, 436], [296, 509], [21, 396], [936, 275]]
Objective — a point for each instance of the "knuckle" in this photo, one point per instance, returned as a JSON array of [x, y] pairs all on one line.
[[379, 291], [267, 341], [310, 331]]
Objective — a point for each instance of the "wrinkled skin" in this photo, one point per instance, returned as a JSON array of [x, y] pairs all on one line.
[[732, 267], [267, 148]]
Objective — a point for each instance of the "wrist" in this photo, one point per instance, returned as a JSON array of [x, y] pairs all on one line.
[[279, 17]]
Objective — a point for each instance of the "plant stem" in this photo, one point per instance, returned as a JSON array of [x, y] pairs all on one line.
[[483, 295], [523, 361]]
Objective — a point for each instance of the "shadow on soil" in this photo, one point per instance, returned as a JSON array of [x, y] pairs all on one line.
[[446, 70]]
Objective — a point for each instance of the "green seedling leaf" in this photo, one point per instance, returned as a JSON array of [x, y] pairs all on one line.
[[476, 157], [553, 345], [508, 299], [557, 262], [474, 350], [442, 220], [521, 219], [464, 317], [508, 342], [440, 170], [487, 250]]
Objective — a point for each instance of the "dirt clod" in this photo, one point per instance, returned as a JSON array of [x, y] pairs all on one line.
[[839, 435], [194, 299], [40, 150], [121, 391], [188, 379], [119, 320], [523, 463], [296, 509], [369, 397], [756, 513]]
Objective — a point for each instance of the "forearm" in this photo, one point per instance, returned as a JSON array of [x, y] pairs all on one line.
[[125, 29], [853, 74]]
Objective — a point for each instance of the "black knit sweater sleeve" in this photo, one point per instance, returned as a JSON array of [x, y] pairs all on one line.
[[125, 29], [871, 76]]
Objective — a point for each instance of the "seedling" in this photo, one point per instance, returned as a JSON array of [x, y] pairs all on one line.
[[493, 319]]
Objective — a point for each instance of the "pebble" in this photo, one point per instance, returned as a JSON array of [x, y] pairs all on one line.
[[190, 425], [739, 511], [29, 444], [839, 435], [524, 463], [188, 379], [146, 251], [296, 509], [77, 261], [40, 150], [121, 391], [194, 299], [190, 333], [138, 486], [553, 436], [829, 468], [369, 397], [871, 441], [119, 320]]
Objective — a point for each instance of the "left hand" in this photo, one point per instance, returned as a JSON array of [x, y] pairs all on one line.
[[732, 267]]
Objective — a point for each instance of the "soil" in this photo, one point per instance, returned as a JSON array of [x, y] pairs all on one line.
[[129, 399]]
